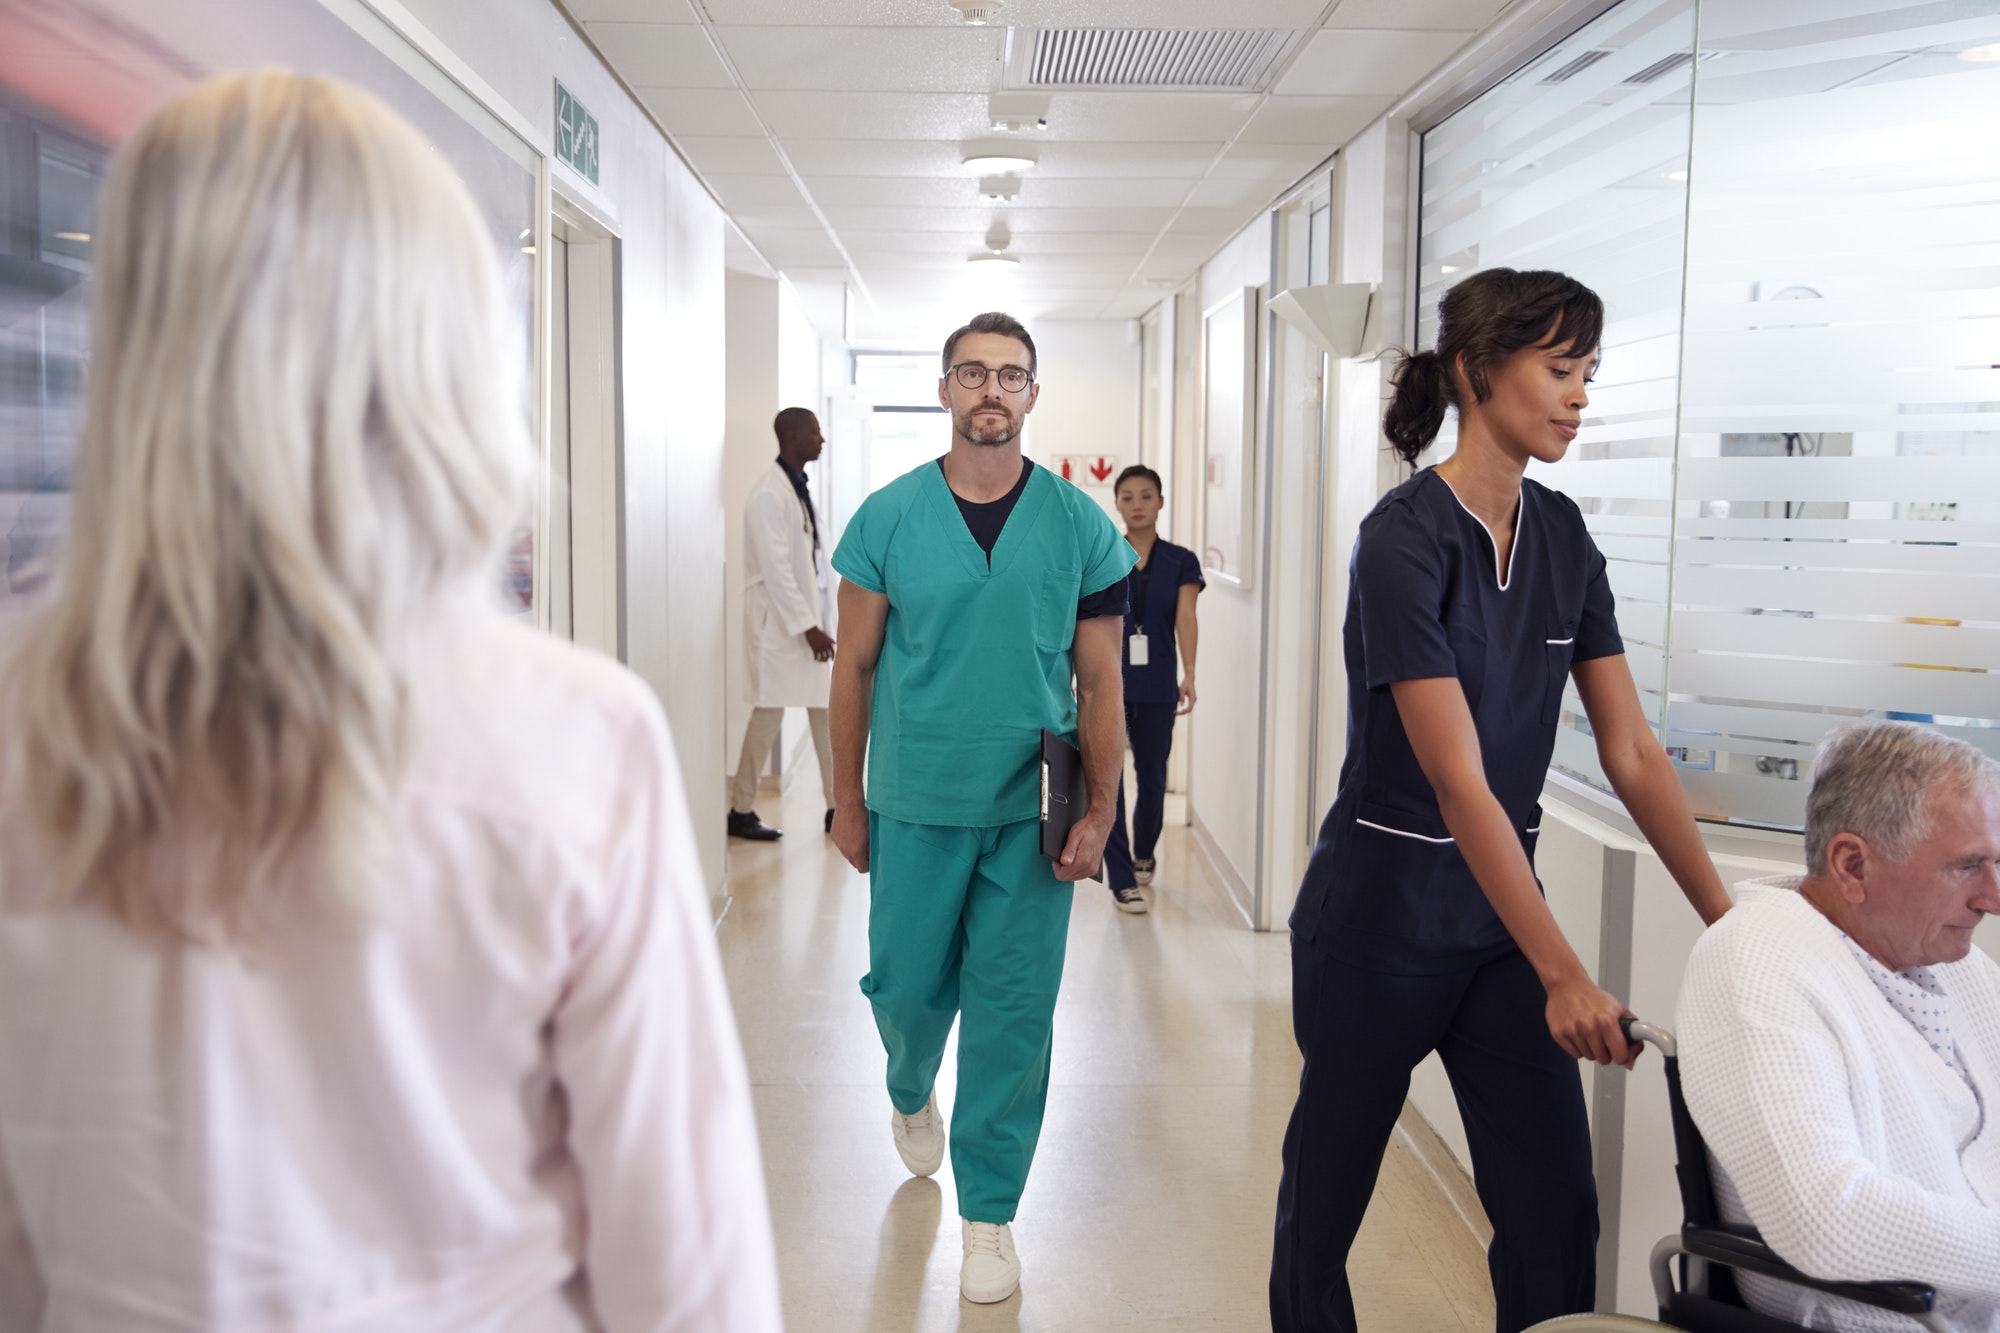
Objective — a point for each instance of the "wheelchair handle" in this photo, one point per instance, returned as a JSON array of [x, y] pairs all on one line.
[[1637, 1030]]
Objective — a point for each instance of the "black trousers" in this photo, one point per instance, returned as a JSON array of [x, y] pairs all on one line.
[[1150, 727], [1521, 1099]]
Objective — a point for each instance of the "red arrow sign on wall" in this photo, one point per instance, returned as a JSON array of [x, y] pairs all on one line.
[[1100, 469]]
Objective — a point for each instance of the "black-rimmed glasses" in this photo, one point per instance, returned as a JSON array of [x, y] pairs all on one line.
[[973, 376]]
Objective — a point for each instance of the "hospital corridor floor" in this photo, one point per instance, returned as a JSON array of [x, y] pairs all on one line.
[[1150, 1203]]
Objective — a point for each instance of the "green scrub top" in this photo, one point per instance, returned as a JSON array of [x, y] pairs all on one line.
[[975, 660]]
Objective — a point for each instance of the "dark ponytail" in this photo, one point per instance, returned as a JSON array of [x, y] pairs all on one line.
[[1481, 322], [1416, 411]]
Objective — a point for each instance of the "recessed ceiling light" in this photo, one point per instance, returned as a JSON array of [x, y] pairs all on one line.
[[997, 159], [1989, 52], [1447, 268], [993, 263], [81, 237], [1677, 175]]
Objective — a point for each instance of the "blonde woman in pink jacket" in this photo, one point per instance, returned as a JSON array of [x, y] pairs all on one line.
[[355, 966]]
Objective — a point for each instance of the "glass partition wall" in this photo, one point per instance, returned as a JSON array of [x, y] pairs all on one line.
[[1792, 455]]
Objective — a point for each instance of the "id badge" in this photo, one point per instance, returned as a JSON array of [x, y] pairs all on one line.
[[1136, 653]]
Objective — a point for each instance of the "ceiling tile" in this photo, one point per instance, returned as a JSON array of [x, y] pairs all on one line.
[[701, 111], [1281, 164], [632, 11], [973, 221], [1326, 122], [1145, 116], [1367, 60], [1023, 13], [1464, 15], [1239, 196], [1092, 192], [874, 115], [733, 156], [660, 55], [803, 249], [934, 60], [755, 191], [774, 217]]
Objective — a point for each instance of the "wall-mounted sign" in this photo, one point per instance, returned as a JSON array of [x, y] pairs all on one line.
[[1086, 469], [576, 134]]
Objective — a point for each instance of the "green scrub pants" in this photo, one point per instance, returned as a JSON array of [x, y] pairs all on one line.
[[969, 923]]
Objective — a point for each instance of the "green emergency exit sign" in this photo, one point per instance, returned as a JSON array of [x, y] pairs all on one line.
[[576, 134]]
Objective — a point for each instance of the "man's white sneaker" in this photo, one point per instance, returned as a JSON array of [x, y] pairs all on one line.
[[1129, 900], [990, 1273], [919, 1138], [1143, 871]]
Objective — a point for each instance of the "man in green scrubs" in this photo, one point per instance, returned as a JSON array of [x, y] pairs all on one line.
[[973, 589]]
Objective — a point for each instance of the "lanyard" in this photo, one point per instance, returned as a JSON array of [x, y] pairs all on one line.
[[1142, 577]]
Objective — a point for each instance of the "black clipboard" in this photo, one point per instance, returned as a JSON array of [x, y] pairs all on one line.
[[1065, 799]]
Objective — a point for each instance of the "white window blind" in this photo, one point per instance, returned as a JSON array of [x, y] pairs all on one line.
[[1794, 467]]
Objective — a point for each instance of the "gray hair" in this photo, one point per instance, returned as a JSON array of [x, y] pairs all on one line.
[[1872, 780]]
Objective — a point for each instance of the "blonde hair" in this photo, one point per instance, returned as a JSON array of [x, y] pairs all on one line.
[[301, 437]]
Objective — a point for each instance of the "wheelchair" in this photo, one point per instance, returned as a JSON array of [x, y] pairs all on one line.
[[1711, 1251]]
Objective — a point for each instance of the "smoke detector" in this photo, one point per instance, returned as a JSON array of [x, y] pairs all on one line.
[[999, 188], [1018, 112], [978, 12]]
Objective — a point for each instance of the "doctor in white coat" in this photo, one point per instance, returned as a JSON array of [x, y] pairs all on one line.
[[787, 617]]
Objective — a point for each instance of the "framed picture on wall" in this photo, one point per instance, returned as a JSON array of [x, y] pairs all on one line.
[[1228, 426]]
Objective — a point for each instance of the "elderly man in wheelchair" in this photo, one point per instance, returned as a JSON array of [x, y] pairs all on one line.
[[1839, 1054]]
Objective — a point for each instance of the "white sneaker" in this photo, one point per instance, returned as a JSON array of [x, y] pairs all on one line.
[[1129, 900], [991, 1273], [1143, 871], [919, 1138]]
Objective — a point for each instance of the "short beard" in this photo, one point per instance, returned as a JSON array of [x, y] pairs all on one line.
[[970, 433]]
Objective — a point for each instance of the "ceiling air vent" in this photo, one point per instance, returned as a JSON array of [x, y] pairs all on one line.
[[1564, 73], [1659, 69], [1232, 58]]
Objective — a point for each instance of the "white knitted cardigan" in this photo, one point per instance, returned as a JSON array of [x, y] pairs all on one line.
[[1832, 1124]]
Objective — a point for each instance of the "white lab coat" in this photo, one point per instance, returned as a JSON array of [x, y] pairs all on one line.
[[786, 591]]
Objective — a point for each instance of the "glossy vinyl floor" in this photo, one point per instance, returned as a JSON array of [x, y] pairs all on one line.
[[1150, 1203]]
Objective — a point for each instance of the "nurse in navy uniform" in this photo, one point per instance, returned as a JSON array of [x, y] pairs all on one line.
[[1420, 926]]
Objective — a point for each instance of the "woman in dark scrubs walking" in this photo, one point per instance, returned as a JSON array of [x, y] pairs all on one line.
[[1420, 926], [1159, 613]]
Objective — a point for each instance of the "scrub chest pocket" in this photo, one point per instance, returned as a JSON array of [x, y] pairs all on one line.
[[1560, 645]]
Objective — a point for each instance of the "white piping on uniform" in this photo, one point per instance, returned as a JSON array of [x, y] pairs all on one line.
[[1520, 507], [1399, 832], [1536, 829], [1560, 642]]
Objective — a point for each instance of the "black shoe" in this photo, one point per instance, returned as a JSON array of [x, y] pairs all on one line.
[[1129, 900], [829, 821], [745, 824]]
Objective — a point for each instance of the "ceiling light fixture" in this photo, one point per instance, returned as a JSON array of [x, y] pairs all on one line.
[[993, 263], [978, 13], [997, 159], [1981, 54], [999, 188], [999, 236], [1677, 175]]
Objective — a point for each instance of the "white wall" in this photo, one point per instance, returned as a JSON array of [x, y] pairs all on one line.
[[1224, 729], [671, 300], [772, 360], [1089, 373]]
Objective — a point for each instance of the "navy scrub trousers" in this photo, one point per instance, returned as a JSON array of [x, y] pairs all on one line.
[[1150, 727], [1518, 1093], [1396, 951]]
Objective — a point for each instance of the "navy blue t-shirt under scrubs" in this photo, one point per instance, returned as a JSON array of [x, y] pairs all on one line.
[[1387, 888], [1154, 594]]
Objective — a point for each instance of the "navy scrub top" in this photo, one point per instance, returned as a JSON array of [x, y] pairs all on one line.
[[1387, 888], [1157, 590]]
